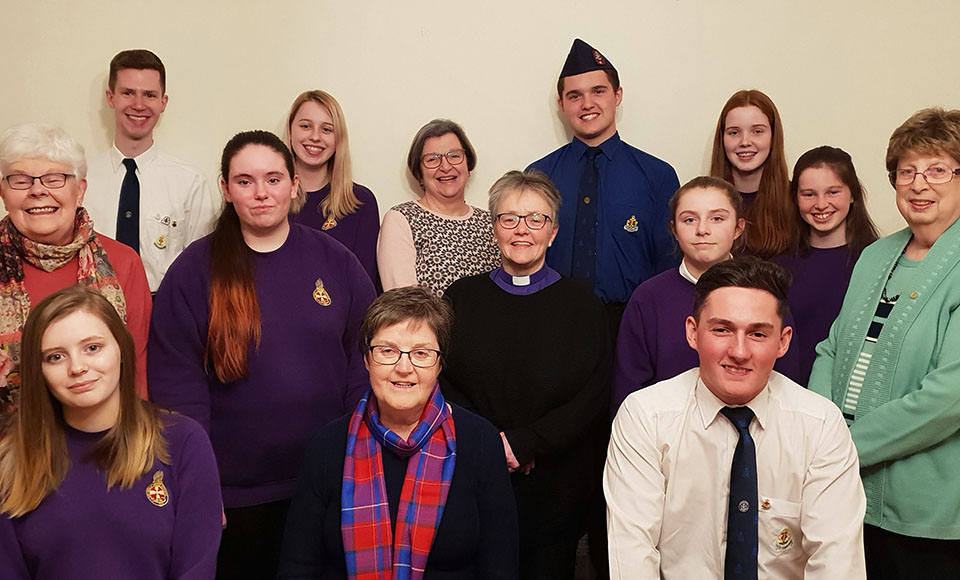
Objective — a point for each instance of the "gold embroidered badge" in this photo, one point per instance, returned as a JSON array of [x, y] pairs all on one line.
[[784, 539], [631, 225], [321, 295], [329, 224], [157, 492]]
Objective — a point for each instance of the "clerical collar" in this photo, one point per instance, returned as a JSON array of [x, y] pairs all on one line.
[[523, 285]]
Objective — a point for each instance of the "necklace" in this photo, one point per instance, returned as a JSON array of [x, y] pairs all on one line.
[[883, 293]]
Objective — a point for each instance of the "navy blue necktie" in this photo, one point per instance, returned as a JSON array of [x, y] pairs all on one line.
[[741, 556], [128, 212], [584, 264]]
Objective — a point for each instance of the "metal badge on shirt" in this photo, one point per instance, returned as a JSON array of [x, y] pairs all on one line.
[[161, 242], [329, 224], [321, 295], [631, 225], [157, 492]]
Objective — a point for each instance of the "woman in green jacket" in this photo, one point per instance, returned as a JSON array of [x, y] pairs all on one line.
[[892, 360]]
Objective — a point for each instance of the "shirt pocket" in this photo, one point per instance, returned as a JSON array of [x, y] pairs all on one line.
[[163, 232], [778, 527]]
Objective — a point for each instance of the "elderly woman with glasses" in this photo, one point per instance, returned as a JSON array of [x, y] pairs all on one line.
[[438, 238], [530, 353], [408, 485], [47, 242], [892, 360]]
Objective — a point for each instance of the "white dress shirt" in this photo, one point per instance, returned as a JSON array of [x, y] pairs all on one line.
[[176, 206], [667, 483]]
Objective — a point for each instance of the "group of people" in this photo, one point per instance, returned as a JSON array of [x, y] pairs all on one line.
[[313, 393]]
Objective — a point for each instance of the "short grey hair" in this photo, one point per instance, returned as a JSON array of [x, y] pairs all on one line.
[[438, 128], [39, 141], [529, 180]]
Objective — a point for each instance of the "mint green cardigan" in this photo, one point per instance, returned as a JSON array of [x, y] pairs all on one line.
[[907, 430]]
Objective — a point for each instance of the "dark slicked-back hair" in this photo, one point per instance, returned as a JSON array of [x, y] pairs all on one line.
[[744, 272], [137, 59], [411, 303]]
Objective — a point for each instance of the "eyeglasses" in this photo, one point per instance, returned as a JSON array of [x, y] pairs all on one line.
[[419, 357], [534, 221], [24, 181], [934, 175], [433, 160]]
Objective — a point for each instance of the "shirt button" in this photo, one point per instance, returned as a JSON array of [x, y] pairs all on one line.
[[128, 214], [586, 200]]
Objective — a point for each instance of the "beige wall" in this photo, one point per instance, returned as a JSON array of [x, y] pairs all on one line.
[[842, 73]]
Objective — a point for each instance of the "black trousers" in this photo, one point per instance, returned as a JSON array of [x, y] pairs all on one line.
[[250, 545], [891, 556]]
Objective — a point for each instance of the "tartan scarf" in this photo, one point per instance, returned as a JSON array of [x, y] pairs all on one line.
[[93, 269], [372, 551]]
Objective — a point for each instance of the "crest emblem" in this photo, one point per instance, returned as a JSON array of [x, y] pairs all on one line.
[[784, 539], [321, 295], [631, 225], [765, 504], [157, 492], [160, 242], [329, 224], [598, 57]]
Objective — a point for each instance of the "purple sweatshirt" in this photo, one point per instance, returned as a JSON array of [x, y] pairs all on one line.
[[820, 280], [83, 530], [652, 344], [306, 371], [357, 231]]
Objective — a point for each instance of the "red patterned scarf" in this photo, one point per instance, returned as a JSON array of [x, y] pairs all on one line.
[[93, 270], [372, 551]]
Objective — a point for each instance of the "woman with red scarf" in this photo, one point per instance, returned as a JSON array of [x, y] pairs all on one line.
[[408, 486]]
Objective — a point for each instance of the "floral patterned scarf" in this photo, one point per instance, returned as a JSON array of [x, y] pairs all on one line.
[[94, 270]]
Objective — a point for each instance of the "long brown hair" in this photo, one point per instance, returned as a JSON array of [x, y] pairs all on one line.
[[33, 454], [234, 323], [341, 201], [860, 229], [771, 228]]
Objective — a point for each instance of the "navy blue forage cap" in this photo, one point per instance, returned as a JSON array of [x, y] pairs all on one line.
[[584, 58]]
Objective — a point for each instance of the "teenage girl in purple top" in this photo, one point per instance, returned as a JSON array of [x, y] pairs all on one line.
[[254, 335], [96, 483], [833, 227], [331, 202]]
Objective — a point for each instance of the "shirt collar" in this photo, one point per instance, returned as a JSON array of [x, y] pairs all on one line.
[[609, 147], [144, 159], [709, 405]]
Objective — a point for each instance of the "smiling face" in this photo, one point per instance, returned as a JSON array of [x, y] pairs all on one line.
[[137, 100], [824, 200], [81, 365], [312, 135], [260, 189], [589, 104], [523, 249], [738, 337], [932, 208], [705, 225], [446, 182], [746, 139], [40, 213], [401, 389]]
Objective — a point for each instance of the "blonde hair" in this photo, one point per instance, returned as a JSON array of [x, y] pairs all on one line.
[[33, 451], [341, 201]]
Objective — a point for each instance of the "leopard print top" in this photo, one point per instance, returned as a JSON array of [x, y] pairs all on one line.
[[450, 249]]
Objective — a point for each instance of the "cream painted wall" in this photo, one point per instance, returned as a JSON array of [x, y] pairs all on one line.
[[842, 73]]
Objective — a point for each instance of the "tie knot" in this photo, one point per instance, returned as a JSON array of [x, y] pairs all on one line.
[[592, 153], [739, 416], [130, 164]]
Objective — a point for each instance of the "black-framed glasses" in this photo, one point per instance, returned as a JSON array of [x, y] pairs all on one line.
[[419, 357], [534, 221], [433, 160], [50, 180], [934, 175]]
